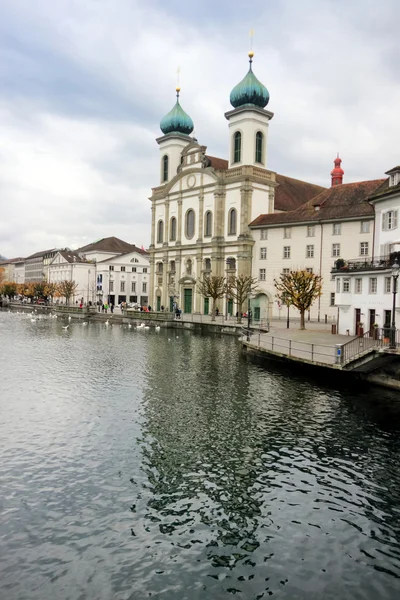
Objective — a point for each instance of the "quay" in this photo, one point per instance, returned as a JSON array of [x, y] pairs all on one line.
[[364, 357]]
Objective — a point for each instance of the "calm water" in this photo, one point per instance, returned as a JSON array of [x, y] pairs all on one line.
[[137, 464]]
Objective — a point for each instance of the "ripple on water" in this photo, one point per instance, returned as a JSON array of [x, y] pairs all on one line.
[[132, 466]]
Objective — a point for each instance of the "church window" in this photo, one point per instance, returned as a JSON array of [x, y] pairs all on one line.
[[160, 232], [165, 162], [208, 224], [207, 264], [237, 147], [172, 230], [190, 220], [172, 266], [232, 221], [259, 147], [159, 267]]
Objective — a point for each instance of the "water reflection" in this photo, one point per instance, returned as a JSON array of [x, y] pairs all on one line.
[[257, 475], [137, 464]]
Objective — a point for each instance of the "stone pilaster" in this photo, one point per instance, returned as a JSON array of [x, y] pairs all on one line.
[[246, 195], [179, 231], [166, 222], [201, 218], [153, 224]]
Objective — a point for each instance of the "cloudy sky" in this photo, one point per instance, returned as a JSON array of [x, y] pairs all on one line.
[[84, 84]]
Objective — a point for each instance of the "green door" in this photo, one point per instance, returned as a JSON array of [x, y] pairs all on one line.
[[230, 307], [206, 305], [187, 305], [256, 313], [171, 304], [158, 303]]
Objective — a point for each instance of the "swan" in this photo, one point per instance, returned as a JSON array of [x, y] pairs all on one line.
[[158, 328], [107, 322]]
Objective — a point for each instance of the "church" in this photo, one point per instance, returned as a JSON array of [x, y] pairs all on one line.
[[203, 205]]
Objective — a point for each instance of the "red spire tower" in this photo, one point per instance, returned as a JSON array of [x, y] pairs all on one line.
[[337, 173]]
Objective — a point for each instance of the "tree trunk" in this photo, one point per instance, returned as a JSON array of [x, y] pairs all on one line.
[[213, 310], [302, 320]]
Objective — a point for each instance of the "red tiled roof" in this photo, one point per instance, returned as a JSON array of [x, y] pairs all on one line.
[[385, 190], [339, 202], [218, 163], [293, 193]]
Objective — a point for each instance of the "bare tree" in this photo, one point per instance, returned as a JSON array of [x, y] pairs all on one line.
[[214, 287], [299, 289], [67, 289], [238, 289]]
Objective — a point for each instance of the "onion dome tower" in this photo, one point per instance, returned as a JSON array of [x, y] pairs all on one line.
[[176, 127], [250, 91], [248, 121], [337, 172], [177, 121]]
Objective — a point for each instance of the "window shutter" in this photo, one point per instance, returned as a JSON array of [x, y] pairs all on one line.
[[384, 221], [394, 219]]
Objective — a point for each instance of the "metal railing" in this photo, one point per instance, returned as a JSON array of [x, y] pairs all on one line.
[[365, 264], [320, 353], [356, 347]]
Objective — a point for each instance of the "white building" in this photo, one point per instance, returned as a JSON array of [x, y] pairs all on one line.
[[122, 271], [203, 206], [124, 278], [336, 223], [70, 266], [364, 287]]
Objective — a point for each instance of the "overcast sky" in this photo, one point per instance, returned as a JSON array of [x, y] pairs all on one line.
[[84, 84]]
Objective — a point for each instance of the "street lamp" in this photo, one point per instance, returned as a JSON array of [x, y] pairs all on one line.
[[395, 275], [248, 316]]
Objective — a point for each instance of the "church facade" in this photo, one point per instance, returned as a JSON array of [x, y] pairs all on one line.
[[202, 208]]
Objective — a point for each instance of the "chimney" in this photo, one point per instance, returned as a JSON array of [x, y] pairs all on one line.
[[337, 172]]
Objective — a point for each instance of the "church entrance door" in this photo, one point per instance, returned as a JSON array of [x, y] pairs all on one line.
[[187, 295]]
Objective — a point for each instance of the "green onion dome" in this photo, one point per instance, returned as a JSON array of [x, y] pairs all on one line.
[[177, 121], [249, 90]]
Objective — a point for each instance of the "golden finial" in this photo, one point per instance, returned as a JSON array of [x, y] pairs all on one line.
[[251, 34], [178, 89]]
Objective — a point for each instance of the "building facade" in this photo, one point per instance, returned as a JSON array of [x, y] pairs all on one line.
[[203, 206], [122, 271], [70, 266], [37, 265], [337, 222], [124, 278], [364, 286]]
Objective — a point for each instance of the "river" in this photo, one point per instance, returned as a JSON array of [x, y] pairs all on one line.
[[137, 464]]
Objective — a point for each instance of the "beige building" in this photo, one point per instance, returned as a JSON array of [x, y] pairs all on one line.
[[337, 223]]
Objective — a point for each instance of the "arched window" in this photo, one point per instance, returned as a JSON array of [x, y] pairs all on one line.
[[165, 162], [172, 230], [172, 266], [232, 222], [190, 219], [237, 147], [160, 232], [207, 264], [259, 147], [208, 224], [189, 267], [159, 267]]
